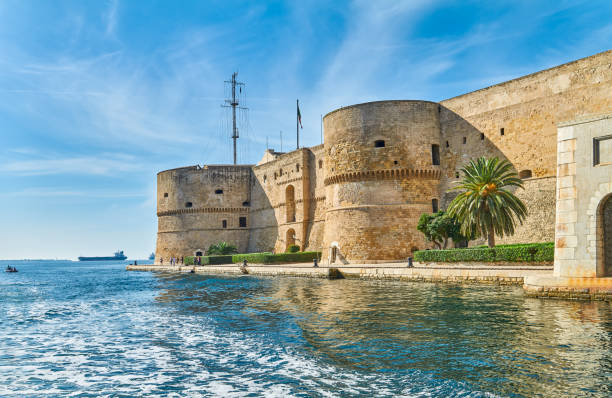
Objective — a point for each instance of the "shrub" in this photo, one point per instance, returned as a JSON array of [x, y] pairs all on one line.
[[524, 252], [221, 248], [257, 258], [209, 260], [303, 257], [216, 260], [269, 258], [293, 249], [439, 227]]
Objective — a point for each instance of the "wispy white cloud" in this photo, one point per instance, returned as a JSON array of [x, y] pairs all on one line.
[[102, 165], [47, 192], [111, 17]]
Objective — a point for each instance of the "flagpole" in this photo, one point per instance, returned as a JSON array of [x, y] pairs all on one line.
[[297, 122]]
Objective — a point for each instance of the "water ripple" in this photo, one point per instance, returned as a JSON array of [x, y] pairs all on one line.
[[83, 330]]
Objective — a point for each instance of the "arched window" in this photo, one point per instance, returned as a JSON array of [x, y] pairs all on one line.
[[434, 205], [224, 223], [290, 203], [320, 163], [297, 167], [289, 238], [379, 143]]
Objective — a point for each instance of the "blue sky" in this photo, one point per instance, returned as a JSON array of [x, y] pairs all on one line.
[[96, 97]]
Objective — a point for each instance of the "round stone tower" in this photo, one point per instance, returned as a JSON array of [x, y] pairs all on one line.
[[199, 206], [382, 171]]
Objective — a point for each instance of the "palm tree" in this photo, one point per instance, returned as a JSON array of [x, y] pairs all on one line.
[[486, 207], [222, 248]]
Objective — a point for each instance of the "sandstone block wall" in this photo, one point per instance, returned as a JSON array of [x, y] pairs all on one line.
[[584, 186], [199, 206], [528, 110], [379, 177]]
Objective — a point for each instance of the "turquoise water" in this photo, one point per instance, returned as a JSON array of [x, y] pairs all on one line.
[[85, 329]]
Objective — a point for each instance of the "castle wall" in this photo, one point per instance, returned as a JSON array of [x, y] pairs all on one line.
[[288, 171], [528, 110], [365, 199], [316, 228], [194, 202], [375, 191], [583, 244]]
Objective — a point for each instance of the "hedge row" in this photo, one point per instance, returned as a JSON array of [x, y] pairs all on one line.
[[525, 252], [210, 260], [258, 258], [301, 257]]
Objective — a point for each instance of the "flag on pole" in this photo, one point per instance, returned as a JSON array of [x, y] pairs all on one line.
[[299, 115]]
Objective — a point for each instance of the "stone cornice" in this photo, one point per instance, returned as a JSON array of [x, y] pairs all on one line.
[[289, 180], [389, 174], [203, 210]]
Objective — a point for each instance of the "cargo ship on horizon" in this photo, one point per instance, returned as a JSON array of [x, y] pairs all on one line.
[[118, 256]]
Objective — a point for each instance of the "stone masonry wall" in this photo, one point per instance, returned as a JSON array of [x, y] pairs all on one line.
[[583, 189], [192, 204], [528, 110], [379, 178]]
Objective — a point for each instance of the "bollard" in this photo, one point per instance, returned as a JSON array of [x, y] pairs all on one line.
[[315, 263], [409, 262]]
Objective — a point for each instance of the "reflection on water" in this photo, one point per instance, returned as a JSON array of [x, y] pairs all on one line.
[[112, 332]]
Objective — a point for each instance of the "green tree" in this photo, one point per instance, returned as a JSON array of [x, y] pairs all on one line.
[[222, 248], [486, 207], [439, 227]]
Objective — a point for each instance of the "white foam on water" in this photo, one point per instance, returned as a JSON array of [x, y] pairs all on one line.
[[76, 347]]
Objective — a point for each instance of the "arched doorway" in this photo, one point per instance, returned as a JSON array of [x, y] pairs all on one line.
[[290, 238], [290, 203], [333, 252], [604, 240]]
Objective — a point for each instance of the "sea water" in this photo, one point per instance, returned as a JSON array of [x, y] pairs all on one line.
[[94, 329]]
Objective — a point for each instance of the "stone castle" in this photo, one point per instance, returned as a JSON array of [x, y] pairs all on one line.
[[358, 196]]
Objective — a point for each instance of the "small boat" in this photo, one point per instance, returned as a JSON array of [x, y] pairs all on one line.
[[10, 269]]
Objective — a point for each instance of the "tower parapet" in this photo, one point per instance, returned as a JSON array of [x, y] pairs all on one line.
[[199, 206]]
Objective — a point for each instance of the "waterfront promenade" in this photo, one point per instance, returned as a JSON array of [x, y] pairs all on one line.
[[503, 274], [528, 276]]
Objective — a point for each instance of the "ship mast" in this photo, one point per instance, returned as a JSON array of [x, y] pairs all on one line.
[[234, 103]]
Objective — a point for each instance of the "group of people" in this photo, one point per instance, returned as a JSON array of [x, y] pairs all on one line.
[[10, 269], [173, 260], [197, 260]]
